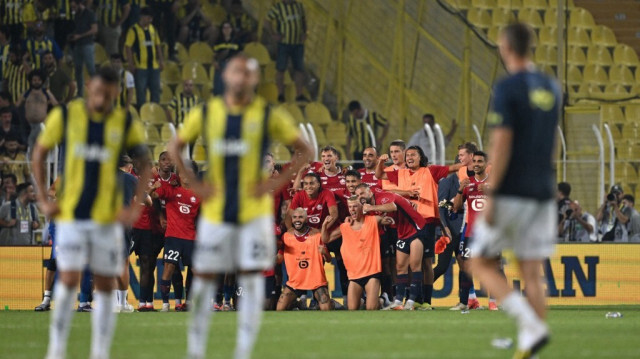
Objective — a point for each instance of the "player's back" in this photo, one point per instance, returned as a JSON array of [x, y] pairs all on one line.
[[528, 103]]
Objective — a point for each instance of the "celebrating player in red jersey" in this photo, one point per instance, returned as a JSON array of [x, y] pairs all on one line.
[[331, 175], [304, 256], [317, 201], [182, 208], [368, 173]]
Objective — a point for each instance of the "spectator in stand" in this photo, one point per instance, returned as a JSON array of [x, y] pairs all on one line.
[[59, 82], [63, 24], [243, 25], [133, 18], [38, 44], [8, 129], [142, 48], [194, 24], [9, 184], [4, 51], [164, 20], [127, 83], [562, 196], [576, 225], [37, 101], [182, 103], [19, 218], [15, 73], [225, 48], [613, 217], [113, 13], [358, 137], [628, 201], [288, 18], [12, 18], [421, 139], [83, 40], [14, 161]]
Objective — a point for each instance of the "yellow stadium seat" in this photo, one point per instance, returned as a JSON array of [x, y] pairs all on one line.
[[100, 53], [581, 18], [181, 53], [602, 35], [546, 55], [569, 4], [257, 51], [337, 133], [548, 35], [632, 113], [579, 37], [166, 133], [615, 91], [576, 56], [535, 4], [547, 69], [531, 17], [294, 111], [551, 17], [317, 113], [134, 113], [589, 90], [612, 114], [483, 4], [170, 74], [594, 74], [479, 18], [509, 4], [290, 93], [196, 72], [599, 55], [207, 91], [280, 152], [153, 113], [166, 95], [157, 150], [502, 17], [152, 134], [269, 91], [201, 52], [214, 12], [269, 74], [342, 154], [199, 153], [574, 75], [493, 33], [320, 136], [621, 74], [625, 55]]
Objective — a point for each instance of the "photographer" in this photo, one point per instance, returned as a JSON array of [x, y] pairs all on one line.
[[613, 217], [562, 197], [634, 219], [577, 226]]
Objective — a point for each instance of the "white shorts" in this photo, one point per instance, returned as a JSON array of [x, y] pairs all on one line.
[[225, 247], [79, 243], [526, 226]]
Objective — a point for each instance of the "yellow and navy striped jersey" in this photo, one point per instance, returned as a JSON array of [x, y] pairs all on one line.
[[110, 11], [15, 80], [236, 141], [358, 129], [91, 146], [64, 9], [181, 105], [290, 20], [243, 22], [12, 12], [37, 48], [143, 43]]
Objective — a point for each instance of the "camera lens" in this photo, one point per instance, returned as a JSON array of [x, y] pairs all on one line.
[[611, 197], [569, 212]]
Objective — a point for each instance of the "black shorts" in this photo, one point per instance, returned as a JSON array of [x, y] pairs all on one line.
[[147, 243], [364, 280], [404, 245], [428, 236], [128, 243], [295, 52], [52, 265], [334, 247], [176, 249], [463, 248], [300, 292], [388, 243]]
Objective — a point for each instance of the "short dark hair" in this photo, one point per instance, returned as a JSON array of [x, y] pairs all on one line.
[[4, 110], [629, 198], [353, 173], [314, 175], [519, 38], [398, 143], [481, 153], [470, 147], [124, 160], [331, 149], [146, 11], [429, 115], [116, 56], [424, 160], [22, 187], [354, 105], [108, 74], [372, 147], [162, 153], [9, 175], [564, 188], [35, 73]]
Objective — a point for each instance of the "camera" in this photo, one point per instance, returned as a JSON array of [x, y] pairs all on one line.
[[611, 197], [613, 193], [568, 213]]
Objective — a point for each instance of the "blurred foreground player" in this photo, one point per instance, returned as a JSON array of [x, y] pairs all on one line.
[[521, 216], [235, 230], [90, 203]]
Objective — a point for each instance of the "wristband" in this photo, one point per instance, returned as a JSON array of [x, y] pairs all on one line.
[[459, 192]]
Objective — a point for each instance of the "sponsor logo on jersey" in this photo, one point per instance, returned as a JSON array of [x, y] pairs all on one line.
[[92, 152]]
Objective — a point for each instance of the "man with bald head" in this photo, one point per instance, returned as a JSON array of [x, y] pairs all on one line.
[[182, 103], [304, 257], [235, 230]]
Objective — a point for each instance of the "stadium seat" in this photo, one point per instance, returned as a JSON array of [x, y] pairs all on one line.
[[201, 52], [280, 152], [589, 90], [630, 131], [551, 17], [579, 37], [599, 55], [535, 4], [166, 132], [484, 4], [621, 74], [502, 17], [320, 135], [546, 55], [632, 113], [152, 134], [602, 35], [170, 74], [290, 93], [214, 12], [509, 4], [257, 51], [574, 75], [166, 95], [269, 74], [594, 74], [581, 18], [269, 91], [317, 114], [337, 133], [569, 4], [547, 69], [576, 56], [134, 113], [196, 72], [612, 114], [100, 53], [480, 18], [153, 113], [181, 53], [625, 55], [493, 33], [157, 150], [294, 111], [531, 17], [199, 153], [548, 36], [207, 91]]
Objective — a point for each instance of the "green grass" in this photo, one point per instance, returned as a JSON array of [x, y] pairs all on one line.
[[577, 333]]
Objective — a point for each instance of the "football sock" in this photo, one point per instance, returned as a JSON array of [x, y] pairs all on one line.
[[427, 292], [165, 287], [401, 285], [344, 280], [492, 300], [86, 287], [176, 281], [122, 297], [47, 297], [415, 287], [61, 320], [201, 293], [518, 308], [187, 284], [472, 292], [228, 293], [103, 321], [465, 287], [250, 313]]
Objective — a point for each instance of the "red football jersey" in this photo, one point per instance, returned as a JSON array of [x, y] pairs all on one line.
[[332, 183], [408, 220], [149, 219], [317, 208], [476, 202], [370, 179], [182, 207]]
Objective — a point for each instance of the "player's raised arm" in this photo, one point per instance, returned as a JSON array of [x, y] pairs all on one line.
[[301, 155], [380, 173], [459, 198], [326, 234]]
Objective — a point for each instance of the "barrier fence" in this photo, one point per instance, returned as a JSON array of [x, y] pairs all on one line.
[[577, 274]]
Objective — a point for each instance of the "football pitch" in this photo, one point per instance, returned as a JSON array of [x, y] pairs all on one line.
[[578, 332]]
